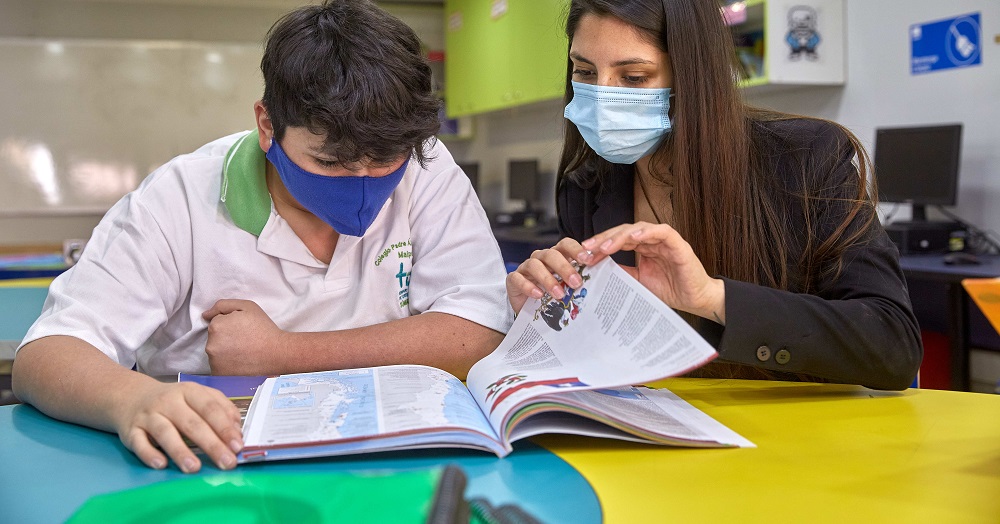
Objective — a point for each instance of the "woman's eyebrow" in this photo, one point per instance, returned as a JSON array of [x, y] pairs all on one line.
[[632, 61], [619, 63]]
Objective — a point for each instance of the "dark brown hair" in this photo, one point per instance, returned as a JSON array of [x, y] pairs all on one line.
[[727, 202], [349, 70]]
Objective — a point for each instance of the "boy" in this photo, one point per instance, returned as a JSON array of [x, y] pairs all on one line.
[[337, 234]]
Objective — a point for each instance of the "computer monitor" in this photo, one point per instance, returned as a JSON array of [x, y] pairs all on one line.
[[522, 182], [918, 165], [471, 170]]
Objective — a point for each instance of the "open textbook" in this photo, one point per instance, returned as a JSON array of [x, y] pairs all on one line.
[[566, 366]]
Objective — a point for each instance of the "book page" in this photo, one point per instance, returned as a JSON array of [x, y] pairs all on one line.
[[326, 407], [610, 332], [657, 415]]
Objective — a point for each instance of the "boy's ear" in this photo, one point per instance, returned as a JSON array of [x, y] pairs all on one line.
[[264, 128]]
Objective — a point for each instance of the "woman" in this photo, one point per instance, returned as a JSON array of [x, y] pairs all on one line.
[[757, 225]]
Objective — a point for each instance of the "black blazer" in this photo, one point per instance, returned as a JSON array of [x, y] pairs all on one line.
[[859, 329]]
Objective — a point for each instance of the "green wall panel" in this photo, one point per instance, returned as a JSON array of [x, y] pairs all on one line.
[[497, 60]]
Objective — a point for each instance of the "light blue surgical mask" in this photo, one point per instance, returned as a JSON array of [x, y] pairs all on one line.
[[349, 204], [622, 124]]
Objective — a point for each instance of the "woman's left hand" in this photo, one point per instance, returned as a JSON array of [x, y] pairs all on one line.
[[666, 265]]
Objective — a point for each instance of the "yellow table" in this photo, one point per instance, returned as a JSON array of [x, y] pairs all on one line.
[[27, 282], [825, 453]]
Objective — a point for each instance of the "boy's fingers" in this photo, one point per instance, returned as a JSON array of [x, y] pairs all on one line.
[[224, 307], [163, 431], [138, 441], [222, 417], [197, 429]]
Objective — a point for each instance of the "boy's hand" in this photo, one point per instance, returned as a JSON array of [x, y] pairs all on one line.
[[242, 339], [161, 415]]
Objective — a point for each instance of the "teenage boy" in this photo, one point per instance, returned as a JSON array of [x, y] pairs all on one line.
[[337, 234]]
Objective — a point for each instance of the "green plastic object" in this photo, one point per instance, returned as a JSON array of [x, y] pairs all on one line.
[[267, 497]]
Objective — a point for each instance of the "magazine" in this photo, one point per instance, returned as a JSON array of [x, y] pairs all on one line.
[[566, 366]]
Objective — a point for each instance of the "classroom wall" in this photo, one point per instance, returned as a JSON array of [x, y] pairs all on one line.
[[533, 131], [103, 92], [879, 92]]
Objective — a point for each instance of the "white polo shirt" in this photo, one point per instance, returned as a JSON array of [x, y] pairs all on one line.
[[202, 228]]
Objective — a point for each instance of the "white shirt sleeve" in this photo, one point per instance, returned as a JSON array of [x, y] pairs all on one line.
[[130, 279], [457, 265]]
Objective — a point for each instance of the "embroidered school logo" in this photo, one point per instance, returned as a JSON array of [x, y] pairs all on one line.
[[403, 277], [402, 252], [557, 314]]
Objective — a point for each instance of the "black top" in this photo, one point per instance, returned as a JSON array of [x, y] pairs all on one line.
[[859, 329]]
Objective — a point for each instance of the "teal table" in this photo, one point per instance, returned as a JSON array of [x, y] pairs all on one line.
[[49, 468]]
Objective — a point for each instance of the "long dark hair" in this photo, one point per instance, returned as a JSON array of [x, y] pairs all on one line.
[[726, 198]]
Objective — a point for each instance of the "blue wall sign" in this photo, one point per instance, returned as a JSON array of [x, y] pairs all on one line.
[[946, 44]]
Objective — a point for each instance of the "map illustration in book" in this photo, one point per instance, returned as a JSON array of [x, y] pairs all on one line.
[[566, 366]]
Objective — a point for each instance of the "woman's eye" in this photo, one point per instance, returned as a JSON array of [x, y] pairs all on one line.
[[327, 163], [582, 73], [634, 80]]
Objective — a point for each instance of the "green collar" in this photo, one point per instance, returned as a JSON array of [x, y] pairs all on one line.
[[244, 185]]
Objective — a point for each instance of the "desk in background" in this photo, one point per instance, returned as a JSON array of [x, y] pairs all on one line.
[[941, 304], [825, 453], [31, 265], [517, 243]]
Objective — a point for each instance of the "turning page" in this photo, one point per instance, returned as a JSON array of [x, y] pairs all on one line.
[[610, 332]]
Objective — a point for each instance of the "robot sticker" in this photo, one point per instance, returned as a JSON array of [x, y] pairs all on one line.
[[803, 36], [558, 313]]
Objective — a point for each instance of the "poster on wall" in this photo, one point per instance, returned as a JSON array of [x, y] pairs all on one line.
[[945, 44], [803, 35]]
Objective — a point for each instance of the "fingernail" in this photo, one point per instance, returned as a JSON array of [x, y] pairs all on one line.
[[235, 445], [575, 281], [189, 465], [585, 256], [557, 292], [589, 243], [636, 234], [158, 464], [227, 462], [606, 245], [536, 293]]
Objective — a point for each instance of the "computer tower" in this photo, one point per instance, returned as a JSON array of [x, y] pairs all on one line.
[[922, 237]]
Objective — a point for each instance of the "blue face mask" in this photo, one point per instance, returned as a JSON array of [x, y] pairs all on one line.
[[349, 204], [622, 124]]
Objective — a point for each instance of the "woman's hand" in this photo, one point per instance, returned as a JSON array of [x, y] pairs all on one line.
[[665, 264], [534, 277]]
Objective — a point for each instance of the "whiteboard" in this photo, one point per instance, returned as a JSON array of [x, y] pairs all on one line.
[[82, 122]]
